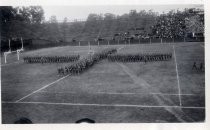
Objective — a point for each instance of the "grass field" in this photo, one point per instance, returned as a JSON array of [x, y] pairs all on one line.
[[109, 92]]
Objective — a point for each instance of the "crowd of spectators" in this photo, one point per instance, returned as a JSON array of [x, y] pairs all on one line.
[[176, 24]]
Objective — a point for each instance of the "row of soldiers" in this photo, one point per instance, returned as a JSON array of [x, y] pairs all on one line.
[[85, 63], [139, 57], [51, 59]]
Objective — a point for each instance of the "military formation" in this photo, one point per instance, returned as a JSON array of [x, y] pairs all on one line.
[[80, 65], [51, 59], [139, 57], [84, 64]]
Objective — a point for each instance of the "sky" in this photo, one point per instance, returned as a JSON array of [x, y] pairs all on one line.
[[81, 12]]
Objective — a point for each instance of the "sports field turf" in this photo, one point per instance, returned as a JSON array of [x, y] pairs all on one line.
[[109, 92]]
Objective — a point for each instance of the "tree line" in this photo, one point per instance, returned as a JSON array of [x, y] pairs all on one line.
[[29, 23]]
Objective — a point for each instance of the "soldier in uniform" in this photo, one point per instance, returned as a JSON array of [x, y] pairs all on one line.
[[194, 66], [145, 59], [201, 66]]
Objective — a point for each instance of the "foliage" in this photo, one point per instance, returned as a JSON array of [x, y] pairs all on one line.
[[21, 21]]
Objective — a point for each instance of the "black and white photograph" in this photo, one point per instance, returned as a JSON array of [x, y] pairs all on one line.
[[103, 64]]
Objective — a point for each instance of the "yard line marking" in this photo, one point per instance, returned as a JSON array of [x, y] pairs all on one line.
[[103, 105], [170, 94], [42, 88], [177, 76], [79, 51]]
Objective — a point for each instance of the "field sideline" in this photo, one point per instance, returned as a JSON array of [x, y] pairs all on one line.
[[109, 92]]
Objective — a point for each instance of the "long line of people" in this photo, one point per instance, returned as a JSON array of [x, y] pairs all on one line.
[[51, 59], [139, 57], [85, 63]]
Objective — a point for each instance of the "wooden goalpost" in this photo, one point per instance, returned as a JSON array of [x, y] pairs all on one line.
[[17, 51]]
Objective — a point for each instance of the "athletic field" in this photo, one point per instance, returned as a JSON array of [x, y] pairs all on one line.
[[109, 92]]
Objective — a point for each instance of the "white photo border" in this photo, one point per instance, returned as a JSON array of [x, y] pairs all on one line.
[[123, 126]]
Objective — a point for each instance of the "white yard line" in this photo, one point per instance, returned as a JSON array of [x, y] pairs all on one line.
[[103, 105], [172, 94], [79, 51], [111, 93], [177, 76], [41, 88]]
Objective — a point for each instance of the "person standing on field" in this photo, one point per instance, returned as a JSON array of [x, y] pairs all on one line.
[[201, 66], [194, 66]]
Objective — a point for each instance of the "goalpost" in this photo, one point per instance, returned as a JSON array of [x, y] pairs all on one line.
[[17, 51]]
